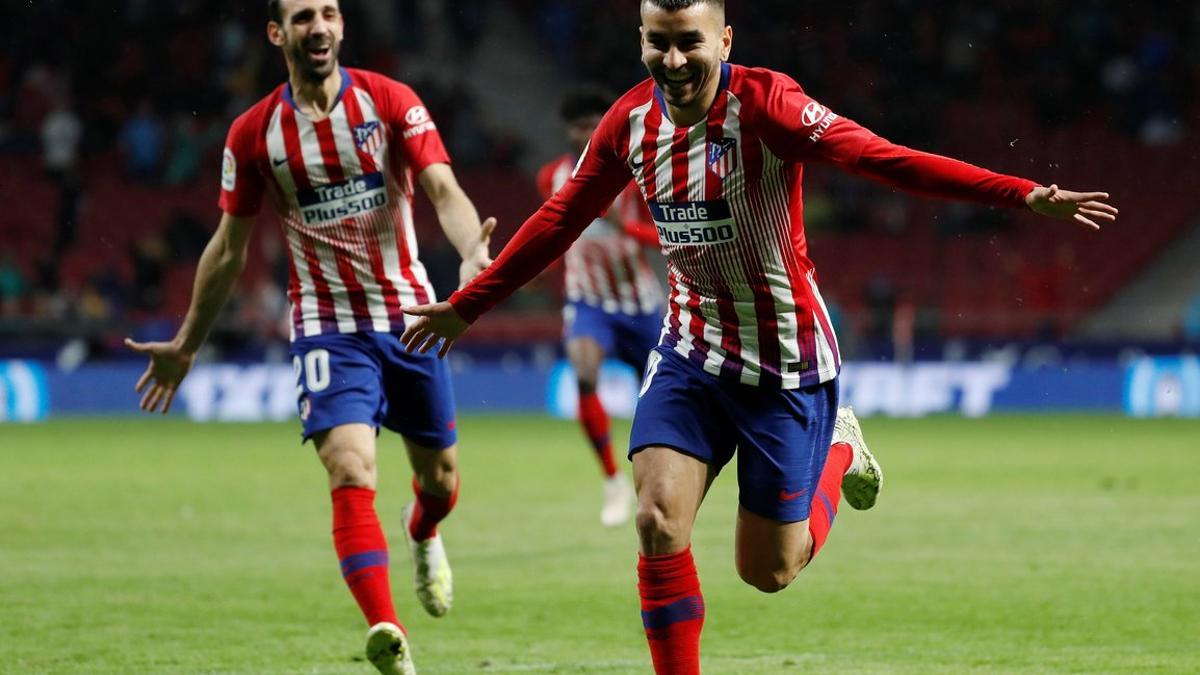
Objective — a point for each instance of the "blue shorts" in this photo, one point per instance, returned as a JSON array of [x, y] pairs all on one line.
[[628, 337], [369, 378], [782, 436]]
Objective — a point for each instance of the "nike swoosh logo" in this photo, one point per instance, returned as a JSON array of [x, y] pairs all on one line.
[[785, 496], [279, 162]]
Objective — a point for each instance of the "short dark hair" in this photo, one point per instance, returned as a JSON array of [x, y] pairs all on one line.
[[585, 100], [675, 5], [275, 11]]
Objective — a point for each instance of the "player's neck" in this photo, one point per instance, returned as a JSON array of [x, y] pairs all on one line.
[[698, 109], [316, 99]]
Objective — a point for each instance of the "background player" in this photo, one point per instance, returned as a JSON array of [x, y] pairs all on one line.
[[613, 296], [748, 359], [335, 150]]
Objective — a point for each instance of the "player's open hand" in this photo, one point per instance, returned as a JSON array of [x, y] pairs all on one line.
[[479, 259], [1084, 208], [434, 322], [169, 364]]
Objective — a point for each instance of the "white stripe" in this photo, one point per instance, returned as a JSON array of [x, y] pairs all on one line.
[[276, 148], [637, 132], [309, 314], [697, 161], [663, 171], [310, 150], [826, 363], [366, 106], [831, 367]]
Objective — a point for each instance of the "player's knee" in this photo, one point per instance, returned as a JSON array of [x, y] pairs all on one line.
[[768, 579], [439, 477], [656, 528], [349, 468]]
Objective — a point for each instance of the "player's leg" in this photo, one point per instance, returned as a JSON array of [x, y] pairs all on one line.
[[590, 335], [435, 488], [340, 408], [420, 407], [790, 479], [680, 439], [670, 487], [348, 453], [586, 355]]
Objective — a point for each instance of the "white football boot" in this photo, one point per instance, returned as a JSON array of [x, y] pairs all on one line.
[[431, 570], [864, 478], [388, 651], [618, 501]]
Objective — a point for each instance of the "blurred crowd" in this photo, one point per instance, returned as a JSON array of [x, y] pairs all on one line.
[[147, 89]]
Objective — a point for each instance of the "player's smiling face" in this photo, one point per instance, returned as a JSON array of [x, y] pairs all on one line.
[[310, 36], [683, 50]]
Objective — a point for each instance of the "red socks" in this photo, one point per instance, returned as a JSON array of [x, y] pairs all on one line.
[[672, 611], [428, 511], [362, 551], [595, 425], [829, 490]]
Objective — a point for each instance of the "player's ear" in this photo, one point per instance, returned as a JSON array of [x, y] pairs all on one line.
[[275, 34], [726, 42]]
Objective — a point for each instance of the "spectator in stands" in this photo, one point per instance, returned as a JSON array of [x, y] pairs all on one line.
[[143, 141], [1191, 321], [13, 286], [150, 261], [62, 135]]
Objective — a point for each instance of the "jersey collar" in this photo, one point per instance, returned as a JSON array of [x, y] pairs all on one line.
[[287, 90]]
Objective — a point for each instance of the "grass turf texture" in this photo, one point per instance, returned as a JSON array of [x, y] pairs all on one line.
[[1003, 545]]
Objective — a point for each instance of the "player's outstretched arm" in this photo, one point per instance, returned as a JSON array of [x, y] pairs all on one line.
[[459, 220], [1085, 208], [434, 322], [218, 271]]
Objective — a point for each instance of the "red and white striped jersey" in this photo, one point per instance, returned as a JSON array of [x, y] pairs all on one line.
[[725, 196], [606, 267], [343, 189]]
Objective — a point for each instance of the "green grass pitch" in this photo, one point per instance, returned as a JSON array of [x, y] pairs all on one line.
[[1002, 545]]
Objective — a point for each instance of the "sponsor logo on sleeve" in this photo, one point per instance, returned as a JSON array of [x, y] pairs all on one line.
[[819, 118], [228, 171], [693, 223], [418, 121]]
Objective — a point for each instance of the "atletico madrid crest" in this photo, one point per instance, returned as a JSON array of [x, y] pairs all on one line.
[[722, 156], [368, 136]]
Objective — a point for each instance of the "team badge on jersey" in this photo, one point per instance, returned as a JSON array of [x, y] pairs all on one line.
[[722, 157], [368, 136]]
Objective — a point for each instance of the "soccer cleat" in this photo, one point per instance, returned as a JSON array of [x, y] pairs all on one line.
[[431, 570], [618, 501], [388, 651], [864, 478]]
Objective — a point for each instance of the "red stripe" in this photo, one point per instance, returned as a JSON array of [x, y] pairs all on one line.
[[731, 341], [347, 232], [764, 302], [293, 293], [649, 179], [403, 180], [377, 222], [291, 144]]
